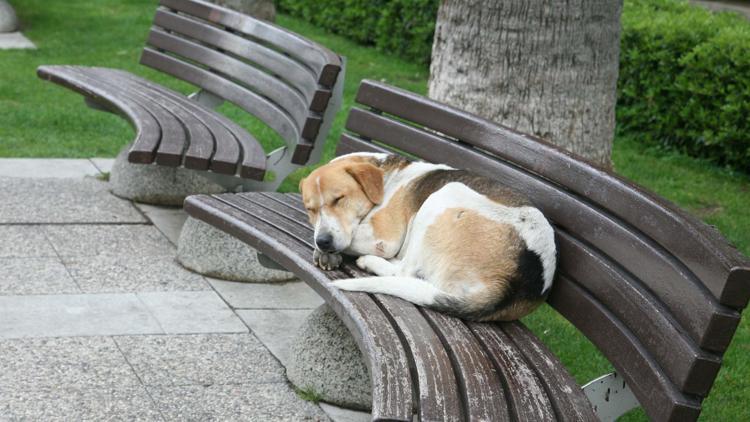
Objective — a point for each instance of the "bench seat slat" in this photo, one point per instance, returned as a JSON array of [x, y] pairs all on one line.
[[266, 111], [299, 76], [708, 254], [710, 324], [323, 61], [377, 338], [148, 132]]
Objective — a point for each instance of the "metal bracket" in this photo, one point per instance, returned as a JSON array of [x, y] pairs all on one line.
[[206, 99], [610, 397], [267, 262]]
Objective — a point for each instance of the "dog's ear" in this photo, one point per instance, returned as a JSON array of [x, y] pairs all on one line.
[[301, 182], [370, 178]]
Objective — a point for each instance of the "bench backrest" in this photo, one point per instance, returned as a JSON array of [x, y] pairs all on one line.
[[283, 79], [656, 290]]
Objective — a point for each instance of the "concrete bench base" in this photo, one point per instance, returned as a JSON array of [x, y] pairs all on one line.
[[326, 361], [157, 185], [211, 252]]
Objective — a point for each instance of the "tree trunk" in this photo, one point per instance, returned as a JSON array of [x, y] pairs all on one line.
[[545, 67]]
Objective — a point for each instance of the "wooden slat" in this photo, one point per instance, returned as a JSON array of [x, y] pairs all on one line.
[[707, 253], [376, 337], [690, 368], [567, 397], [298, 75], [265, 110], [657, 395], [710, 324], [173, 133], [273, 89], [324, 62], [481, 388], [526, 392], [148, 132]]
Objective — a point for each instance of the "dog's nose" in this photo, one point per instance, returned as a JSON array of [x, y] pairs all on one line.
[[324, 242]]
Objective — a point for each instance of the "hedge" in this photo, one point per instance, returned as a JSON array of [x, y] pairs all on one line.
[[684, 71], [402, 27]]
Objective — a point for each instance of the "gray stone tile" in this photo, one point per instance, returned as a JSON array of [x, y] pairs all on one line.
[[104, 165], [249, 402], [74, 315], [15, 41], [27, 276], [24, 242], [192, 312], [36, 168], [168, 220], [200, 359], [90, 240], [131, 273], [63, 201], [78, 362], [74, 404], [275, 328], [339, 414], [292, 295]]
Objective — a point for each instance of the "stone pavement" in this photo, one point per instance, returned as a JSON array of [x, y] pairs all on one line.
[[97, 320]]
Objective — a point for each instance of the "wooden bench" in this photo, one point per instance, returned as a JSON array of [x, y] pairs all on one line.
[[657, 291], [286, 81]]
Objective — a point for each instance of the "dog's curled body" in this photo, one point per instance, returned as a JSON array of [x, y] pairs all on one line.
[[442, 238]]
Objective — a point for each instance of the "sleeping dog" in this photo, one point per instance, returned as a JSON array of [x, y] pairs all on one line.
[[438, 237]]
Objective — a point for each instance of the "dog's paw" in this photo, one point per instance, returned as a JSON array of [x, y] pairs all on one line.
[[376, 265], [327, 261]]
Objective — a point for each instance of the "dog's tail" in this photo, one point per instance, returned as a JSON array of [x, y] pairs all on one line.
[[414, 290]]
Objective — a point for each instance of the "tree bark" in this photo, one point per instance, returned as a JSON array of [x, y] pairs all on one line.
[[545, 67]]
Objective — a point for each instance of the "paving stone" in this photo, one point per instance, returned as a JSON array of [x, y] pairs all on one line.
[[75, 315], [326, 359], [131, 273], [47, 168], [339, 414], [104, 165], [192, 312], [15, 41], [249, 402], [91, 240], [291, 295], [276, 328], [169, 220], [153, 184], [24, 242], [200, 359], [73, 404], [27, 276], [209, 251], [62, 201], [77, 362]]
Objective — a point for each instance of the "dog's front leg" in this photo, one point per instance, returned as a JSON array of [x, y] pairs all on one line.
[[325, 260], [377, 265]]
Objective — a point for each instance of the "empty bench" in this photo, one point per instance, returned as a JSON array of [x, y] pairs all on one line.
[[289, 83], [657, 291]]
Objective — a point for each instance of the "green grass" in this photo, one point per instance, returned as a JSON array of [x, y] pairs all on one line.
[[39, 119]]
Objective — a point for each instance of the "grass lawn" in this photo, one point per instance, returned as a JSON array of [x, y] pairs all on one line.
[[39, 119]]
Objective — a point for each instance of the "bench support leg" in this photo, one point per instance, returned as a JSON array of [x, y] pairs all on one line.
[[610, 397]]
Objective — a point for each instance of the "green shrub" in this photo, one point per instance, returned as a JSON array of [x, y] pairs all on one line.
[[685, 79], [401, 27]]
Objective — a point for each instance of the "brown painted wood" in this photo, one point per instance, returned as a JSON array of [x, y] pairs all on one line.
[[709, 323], [483, 392], [320, 59], [148, 132], [376, 337], [708, 255]]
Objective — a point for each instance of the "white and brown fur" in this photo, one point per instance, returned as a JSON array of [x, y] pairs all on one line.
[[436, 236]]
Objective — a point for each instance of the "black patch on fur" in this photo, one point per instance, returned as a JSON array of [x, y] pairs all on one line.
[[526, 284], [431, 182]]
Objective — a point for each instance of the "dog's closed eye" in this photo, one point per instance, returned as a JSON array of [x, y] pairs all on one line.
[[336, 201]]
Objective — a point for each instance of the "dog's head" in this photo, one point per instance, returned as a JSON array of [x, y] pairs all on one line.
[[338, 196]]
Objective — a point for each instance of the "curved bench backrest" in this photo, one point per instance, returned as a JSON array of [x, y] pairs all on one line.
[[656, 290], [281, 78]]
